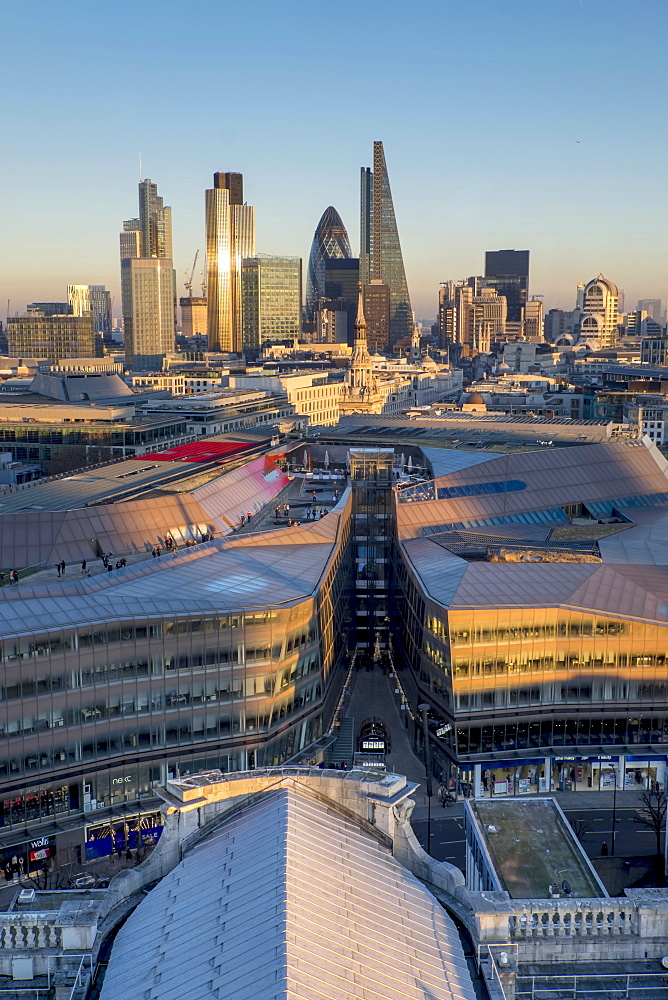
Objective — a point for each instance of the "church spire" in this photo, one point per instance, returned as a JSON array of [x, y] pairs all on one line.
[[360, 321]]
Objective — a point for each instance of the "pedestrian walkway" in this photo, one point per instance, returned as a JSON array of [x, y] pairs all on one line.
[[371, 696]]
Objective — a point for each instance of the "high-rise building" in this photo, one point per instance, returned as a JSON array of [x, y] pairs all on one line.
[[342, 282], [330, 243], [560, 323], [94, 299], [508, 272], [380, 249], [147, 325], [533, 320], [53, 337], [193, 316], [147, 286], [653, 308], [155, 222], [600, 298], [377, 312], [271, 291], [48, 308], [471, 315], [130, 239], [230, 236]]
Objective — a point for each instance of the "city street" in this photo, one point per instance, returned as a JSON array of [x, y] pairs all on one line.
[[447, 832]]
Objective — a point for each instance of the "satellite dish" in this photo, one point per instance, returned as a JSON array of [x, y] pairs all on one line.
[[664, 962]]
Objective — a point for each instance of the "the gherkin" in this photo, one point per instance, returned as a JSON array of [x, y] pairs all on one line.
[[330, 242]]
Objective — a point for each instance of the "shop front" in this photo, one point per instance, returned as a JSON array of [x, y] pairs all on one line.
[[562, 773], [131, 833], [28, 859]]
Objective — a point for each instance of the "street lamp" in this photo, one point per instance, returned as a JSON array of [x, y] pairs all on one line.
[[423, 709], [614, 810]]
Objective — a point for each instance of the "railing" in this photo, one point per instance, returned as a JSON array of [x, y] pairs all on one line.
[[593, 918], [27, 931], [632, 985]]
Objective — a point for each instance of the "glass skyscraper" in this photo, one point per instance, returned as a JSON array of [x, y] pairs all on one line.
[[230, 236], [380, 250], [271, 291], [330, 242]]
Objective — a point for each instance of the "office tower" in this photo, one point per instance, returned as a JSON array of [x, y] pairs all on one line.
[[48, 308], [330, 243], [508, 272], [53, 337], [342, 282], [130, 239], [271, 291], [471, 315], [155, 222], [94, 299], [377, 312], [147, 286], [193, 316], [230, 236], [331, 326], [533, 320], [380, 249], [560, 323], [653, 308], [600, 313]]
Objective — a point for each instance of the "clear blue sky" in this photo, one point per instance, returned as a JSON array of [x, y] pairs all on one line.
[[479, 106]]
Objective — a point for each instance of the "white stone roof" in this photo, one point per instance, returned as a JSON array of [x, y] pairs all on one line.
[[288, 901]]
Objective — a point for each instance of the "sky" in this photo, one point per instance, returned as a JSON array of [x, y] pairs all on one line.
[[526, 124]]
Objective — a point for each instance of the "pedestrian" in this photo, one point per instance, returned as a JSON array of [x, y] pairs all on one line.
[[336, 494], [83, 565], [58, 568], [15, 577], [2, 579], [105, 561], [248, 516], [277, 512], [62, 566], [314, 496], [118, 564], [110, 568], [308, 515], [287, 509], [153, 551], [124, 562], [158, 551], [604, 849]]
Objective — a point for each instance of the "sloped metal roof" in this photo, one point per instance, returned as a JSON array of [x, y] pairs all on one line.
[[288, 901]]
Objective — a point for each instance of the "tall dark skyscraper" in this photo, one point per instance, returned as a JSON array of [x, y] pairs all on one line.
[[330, 242], [380, 249], [508, 271]]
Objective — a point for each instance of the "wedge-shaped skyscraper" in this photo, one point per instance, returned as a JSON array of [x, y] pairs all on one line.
[[381, 261]]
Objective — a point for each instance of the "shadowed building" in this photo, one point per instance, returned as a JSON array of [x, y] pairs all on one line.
[[330, 244], [380, 249], [508, 272]]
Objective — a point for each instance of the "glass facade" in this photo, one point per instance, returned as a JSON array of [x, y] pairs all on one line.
[[381, 259], [330, 242], [93, 717], [271, 289], [541, 681]]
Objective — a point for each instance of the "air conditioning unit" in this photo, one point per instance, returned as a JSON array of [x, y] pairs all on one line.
[[26, 896]]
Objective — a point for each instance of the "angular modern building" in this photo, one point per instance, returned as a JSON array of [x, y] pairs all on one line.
[[380, 250], [228, 653], [533, 608], [271, 294], [94, 299], [230, 236], [330, 242]]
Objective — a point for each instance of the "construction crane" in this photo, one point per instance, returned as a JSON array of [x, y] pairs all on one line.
[[189, 282]]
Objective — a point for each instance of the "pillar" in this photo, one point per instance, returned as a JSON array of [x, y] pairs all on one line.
[[477, 781], [621, 772]]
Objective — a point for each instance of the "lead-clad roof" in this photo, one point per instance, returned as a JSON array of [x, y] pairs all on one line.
[[288, 901]]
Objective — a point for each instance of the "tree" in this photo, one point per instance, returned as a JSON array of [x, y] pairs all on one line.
[[653, 813], [580, 827]]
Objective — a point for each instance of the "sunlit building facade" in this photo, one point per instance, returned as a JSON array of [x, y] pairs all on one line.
[[230, 236], [271, 290], [529, 623]]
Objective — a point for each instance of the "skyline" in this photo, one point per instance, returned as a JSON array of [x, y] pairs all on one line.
[[540, 131]]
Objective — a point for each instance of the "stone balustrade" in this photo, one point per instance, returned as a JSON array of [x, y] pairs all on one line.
[[583, 918], [25, 931]]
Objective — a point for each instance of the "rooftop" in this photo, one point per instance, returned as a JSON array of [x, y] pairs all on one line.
[[532, 847]]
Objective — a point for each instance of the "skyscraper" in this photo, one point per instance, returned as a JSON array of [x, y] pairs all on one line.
[[94, 299], [330, 242], [230, 236], [271, 300], [147, 278], [147, 285], [380, 249], [508, 272], [155, 222]]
